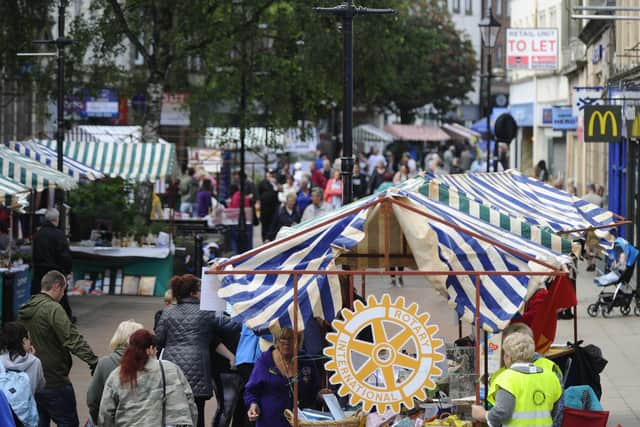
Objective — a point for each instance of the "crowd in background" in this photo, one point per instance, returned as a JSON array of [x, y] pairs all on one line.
[[295, 192]]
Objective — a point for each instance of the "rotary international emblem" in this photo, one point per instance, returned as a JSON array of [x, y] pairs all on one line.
[[384, 354]]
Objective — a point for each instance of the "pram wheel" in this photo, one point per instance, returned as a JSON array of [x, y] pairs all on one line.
[[592, 310], [625, 310], [606, 311]]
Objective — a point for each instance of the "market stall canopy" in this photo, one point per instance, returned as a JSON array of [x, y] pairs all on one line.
[[258, 138], [460, 132], [417, 133], [481, 126], [430, 235], [533, 200], [450, 196], [367, 136], [13, 193], [123, 134], [45, 155], [32, 174], [134, 161]]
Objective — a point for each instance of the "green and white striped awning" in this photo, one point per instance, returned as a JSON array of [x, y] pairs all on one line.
[[32, 174], [135, 161], [13, 193], [518, 226]]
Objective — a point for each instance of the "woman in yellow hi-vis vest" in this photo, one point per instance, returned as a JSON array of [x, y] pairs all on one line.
[[525, 394]]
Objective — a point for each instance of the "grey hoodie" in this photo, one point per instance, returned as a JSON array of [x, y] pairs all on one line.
[[28, 364]]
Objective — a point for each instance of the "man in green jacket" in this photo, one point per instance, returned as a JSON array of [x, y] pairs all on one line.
[[55, 337]]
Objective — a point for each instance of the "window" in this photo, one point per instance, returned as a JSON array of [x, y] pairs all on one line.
[[498, 7], [508, 8], [468, 7], [552, 17], [456, 6]]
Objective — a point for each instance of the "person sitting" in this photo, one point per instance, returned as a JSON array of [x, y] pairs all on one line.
[[270, 388], [288, 214], [524, 391]]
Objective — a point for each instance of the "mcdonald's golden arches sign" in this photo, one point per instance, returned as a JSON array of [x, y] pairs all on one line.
[[603, 123]]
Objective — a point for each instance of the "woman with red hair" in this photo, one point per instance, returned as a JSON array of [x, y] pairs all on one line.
[[144, 391]]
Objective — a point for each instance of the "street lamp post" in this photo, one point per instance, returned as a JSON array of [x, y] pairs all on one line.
[[347, 11], [489, 30]]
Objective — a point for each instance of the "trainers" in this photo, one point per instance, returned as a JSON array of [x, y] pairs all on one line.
[[400, 283], [591, 267]]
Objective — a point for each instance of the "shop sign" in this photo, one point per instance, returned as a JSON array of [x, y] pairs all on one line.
[[563, 118], [597, 54], [393, 370], [603, 123], [547, 116], [532, 49]]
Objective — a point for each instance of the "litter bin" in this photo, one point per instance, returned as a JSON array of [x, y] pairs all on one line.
[[16, 290]]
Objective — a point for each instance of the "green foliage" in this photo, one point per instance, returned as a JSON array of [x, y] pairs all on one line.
[[104, 199]]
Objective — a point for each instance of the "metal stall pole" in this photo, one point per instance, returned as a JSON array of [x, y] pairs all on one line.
[[477, 343], [295, 350], [363, 289]]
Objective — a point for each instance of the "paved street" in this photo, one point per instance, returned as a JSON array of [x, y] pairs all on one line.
[[617, 336]]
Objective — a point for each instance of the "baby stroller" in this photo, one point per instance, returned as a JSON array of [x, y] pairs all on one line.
[[616, 291]]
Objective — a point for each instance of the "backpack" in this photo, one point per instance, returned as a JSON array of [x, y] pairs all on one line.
[[16, 387]]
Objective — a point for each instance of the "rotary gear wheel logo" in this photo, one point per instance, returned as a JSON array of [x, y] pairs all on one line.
[[384, 373]]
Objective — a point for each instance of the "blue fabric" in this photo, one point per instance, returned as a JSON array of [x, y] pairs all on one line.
[[303, 201], [248, 349], [6, 418], [57, 404], [573, 398]]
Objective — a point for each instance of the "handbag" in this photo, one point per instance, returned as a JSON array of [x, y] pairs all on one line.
[[164, 394]]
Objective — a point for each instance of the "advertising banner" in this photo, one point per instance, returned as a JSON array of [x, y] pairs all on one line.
[[104, 104], [532, 49]]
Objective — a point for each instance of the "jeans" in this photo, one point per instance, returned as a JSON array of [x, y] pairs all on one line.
[[189, 208], [57, 404]]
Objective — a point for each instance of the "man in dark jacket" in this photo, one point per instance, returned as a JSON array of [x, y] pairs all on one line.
[[360, 184], [55, 337], [51, 252], [268, 193]]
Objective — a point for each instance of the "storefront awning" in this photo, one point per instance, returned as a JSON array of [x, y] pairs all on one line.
[[461, 132], [417, 133]]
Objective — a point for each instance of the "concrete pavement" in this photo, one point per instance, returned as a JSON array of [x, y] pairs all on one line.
[[618, 337]]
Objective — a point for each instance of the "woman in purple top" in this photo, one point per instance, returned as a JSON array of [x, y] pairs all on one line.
[[270, 388], [204, 198]]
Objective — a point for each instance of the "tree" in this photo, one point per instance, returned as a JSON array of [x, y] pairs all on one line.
[[429, 62]]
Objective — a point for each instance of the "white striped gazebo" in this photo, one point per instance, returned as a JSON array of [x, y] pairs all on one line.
[[32, 174]]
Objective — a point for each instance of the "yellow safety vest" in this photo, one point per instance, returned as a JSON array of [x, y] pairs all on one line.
[[535, 396], [542, 362]]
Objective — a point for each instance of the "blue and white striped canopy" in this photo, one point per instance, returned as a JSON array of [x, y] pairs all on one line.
[[266, 300], [47, 156], [528, 198]]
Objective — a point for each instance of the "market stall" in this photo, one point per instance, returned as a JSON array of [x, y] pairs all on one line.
[[122, 271], [483, 270]]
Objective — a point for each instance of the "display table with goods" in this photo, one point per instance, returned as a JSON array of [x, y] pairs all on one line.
[[116, 270], [15, 289]]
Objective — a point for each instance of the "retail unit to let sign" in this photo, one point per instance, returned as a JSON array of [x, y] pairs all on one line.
[[532, 49], [603, 123]]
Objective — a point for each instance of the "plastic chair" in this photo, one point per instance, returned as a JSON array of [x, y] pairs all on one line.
[[583, 418]]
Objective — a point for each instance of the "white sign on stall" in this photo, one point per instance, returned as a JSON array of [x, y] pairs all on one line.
[[532, 49], [209, 299]]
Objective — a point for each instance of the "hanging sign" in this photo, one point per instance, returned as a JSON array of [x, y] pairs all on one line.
[[532, 49], [391, 367], [603, 123]]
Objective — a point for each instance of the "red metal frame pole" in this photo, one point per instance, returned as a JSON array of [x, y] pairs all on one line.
[[363, 290], [295, 350], [387, 233], [477, 343]]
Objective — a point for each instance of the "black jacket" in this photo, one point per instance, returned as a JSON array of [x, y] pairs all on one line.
[[283, 219], [50, 252], [268, 200], [360, 186], [186, 333]]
